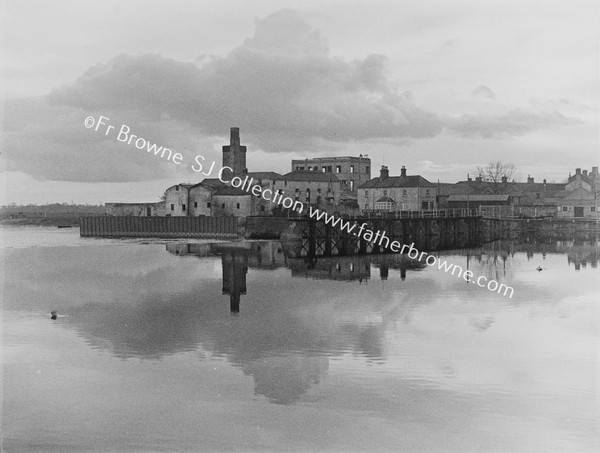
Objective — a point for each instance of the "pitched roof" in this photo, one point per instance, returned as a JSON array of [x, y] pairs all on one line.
[[264, 175], [231, 191], [315, 176], [397, 181], [212, 182], [478, 197], [459, 188]]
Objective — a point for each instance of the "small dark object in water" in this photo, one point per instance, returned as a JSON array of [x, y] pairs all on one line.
[[539, 269], [53, 315], [65, 226]]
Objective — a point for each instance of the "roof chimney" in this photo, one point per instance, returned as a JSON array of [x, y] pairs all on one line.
[[403, 171], [594, 170], [384, 173], [584, 172], [578, 171], [529, 179], [504, 180], [234, 136]]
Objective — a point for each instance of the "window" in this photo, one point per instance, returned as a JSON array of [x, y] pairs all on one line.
[[385, 193], [426, 192], [319, 190], [537, 195], [208, 205], [367, 193], [351, 185], [297, 190], [338, 168], [367, 169], [172, 207], [404, 192], [424, 205], [195, 204], [351, 168], [329, 169], [308, 190], [565, 208], [183, 207], [222, 205], [284, 183], [262, 208], [237, 205], [593, 209], [324, 169], [177, 188]]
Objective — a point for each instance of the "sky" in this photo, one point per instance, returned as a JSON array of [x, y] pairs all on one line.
[[438, 86]]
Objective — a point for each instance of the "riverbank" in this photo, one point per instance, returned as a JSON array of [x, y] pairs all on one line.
[[42, 221]]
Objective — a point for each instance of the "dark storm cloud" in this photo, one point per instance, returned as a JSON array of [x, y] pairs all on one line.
[[280, 86]]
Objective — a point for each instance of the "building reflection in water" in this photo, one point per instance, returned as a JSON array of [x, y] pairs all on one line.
[[238, 257]]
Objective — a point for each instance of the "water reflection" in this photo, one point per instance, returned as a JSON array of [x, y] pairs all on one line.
[[137, 301]]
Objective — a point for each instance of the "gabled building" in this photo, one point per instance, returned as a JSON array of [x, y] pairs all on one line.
[[397, 193], [310, 187], [177, 200]]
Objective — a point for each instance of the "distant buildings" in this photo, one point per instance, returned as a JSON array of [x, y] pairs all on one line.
[[397, 193], [310, 187], [350, 171], [344, 185]]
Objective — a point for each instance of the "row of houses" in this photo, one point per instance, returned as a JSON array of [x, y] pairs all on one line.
[[344, 184]]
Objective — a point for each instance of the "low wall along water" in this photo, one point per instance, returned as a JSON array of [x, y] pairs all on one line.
[[170, 227]]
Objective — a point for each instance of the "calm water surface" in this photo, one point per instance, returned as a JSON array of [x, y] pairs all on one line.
[[170, 346]]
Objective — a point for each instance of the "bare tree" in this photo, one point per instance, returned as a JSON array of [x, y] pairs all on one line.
[[497, 174]]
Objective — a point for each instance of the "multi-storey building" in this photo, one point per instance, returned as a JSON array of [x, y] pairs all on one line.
[[397, 193], [351, 171]]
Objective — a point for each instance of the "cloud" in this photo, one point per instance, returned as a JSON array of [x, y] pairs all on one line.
[[483, 92], [515, 123], [280, 86]]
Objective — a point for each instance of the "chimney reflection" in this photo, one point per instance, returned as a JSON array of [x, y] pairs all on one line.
[[235, 268]]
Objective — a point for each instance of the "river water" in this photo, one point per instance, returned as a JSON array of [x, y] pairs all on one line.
[[179, 346]]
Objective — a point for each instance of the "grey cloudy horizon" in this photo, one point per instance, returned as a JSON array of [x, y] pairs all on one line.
[[428, 86]]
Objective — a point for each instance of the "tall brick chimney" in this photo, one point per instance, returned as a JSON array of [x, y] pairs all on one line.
[[384, 173], [403, 171], [578, 171], [234, 139]]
